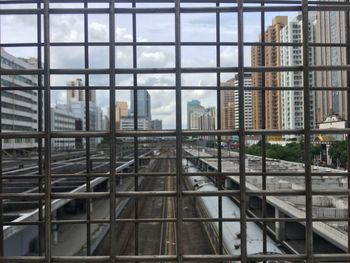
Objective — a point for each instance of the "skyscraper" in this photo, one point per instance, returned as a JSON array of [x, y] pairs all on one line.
[[293, 100], [230, 104], [272, 79], [227, 107], [143, 104], [248, 112], [194, 111], [330, 28]]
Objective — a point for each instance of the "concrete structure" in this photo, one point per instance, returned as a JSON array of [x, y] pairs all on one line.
[[143, 104], [272, 79], [330, 28], [332, 235], [157, 124], [127, 123], [62, 120], [292, 100], [194, 111], [121, 110], [19, 107]]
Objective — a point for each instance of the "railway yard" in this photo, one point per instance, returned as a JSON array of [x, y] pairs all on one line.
[[146, 225], [157, 238]]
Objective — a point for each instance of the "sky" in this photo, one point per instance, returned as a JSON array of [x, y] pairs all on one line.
[[150, 27]]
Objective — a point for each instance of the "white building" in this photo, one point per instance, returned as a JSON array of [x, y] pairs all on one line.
[[334, 122], [19, 107], [127, 123], [62, 120], [292, 100], [248, 107]]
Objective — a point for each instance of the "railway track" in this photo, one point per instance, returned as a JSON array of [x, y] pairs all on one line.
[[167, 244], [156, 238]]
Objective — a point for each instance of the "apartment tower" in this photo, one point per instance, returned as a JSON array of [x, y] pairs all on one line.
[[272, 79]]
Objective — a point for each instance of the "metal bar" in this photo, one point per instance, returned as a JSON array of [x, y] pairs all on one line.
[[40, 129], [242, 182], [307, 133], [178, 95], [112, 127], [1, 172], [347, 35], [87, 127], [136, 145], [218, 103], [263, 126], [47, 112]]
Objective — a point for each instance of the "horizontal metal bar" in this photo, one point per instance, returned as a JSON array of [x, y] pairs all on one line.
[[171, 44]]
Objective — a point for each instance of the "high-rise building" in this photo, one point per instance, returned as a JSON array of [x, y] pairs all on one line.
[[121, 110], [248, 111], [143, 104], [227, 107], [19, 108], [76, 105], [207, 121], [272, 79], [230, 104], [79, 94], [194, 111], [330, 28], [293, 100]]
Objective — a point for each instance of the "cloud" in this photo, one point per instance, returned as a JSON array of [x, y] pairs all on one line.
[[154, 27]]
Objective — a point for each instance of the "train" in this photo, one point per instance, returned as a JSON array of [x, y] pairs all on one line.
[[207, 207]]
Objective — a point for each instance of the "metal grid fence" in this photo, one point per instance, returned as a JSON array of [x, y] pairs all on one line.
[[44, 134]]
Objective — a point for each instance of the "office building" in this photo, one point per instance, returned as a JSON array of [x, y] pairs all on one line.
[[62, 120], [19, 108], [143, 104], [127, 123]]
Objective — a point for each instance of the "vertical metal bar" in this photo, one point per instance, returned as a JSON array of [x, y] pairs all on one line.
[[263, 126], [136, 145], [179, 219], [87, 126], [347, 36], [218, 100], [112, 171], [241, 132], [47, 104], [307, 138], [40, 129], [1, 190]]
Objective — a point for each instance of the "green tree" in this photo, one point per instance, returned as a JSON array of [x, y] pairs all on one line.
[[338, 152]]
